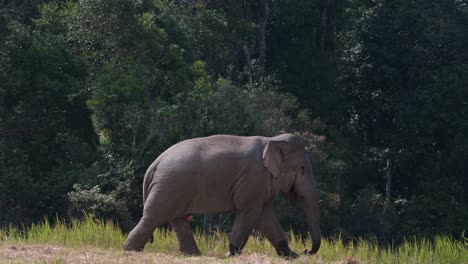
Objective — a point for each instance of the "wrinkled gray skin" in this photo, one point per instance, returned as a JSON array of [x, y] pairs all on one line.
[[223, 173]]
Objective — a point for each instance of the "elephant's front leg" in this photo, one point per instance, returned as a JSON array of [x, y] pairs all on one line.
[[184, 233], [270, 228], [244, 223]]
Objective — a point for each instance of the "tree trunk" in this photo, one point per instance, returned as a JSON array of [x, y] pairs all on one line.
[[248, 63], [388, 185], [262, 24]]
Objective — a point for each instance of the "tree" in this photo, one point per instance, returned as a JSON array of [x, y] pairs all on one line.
[[403, 72], [47, 140], [301, 52]]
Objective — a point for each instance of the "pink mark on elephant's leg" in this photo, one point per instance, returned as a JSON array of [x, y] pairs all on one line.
[[189, 217]]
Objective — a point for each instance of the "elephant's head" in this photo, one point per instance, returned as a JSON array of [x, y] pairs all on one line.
[[288, 163]]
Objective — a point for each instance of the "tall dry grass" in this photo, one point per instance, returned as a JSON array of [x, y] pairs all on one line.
[[95, 233]]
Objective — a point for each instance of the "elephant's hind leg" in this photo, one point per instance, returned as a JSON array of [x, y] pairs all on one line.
[[243, 226], [184, 233], [138, 237], [155, 213]]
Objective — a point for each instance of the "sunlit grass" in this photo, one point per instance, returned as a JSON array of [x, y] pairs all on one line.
[[106, 235], [78, 233]]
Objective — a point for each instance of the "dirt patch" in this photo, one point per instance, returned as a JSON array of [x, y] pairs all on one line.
[[15, 253], [33, 253], [349, 261]]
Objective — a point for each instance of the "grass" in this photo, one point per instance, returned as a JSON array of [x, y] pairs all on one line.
[[98, 240]]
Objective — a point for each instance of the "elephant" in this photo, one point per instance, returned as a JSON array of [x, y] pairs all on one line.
[[228, 173]]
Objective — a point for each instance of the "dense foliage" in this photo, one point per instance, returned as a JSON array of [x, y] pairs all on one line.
[[92, 91]]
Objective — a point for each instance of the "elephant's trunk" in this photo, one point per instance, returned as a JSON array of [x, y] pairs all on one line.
[[306, 189], [312, 213]]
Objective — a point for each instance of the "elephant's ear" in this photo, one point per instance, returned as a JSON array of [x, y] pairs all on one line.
[[273, 157]]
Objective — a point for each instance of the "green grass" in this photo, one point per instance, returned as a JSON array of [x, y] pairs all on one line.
[[92, 233]]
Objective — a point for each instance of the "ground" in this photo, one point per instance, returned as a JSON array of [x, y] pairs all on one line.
[[41, 253]]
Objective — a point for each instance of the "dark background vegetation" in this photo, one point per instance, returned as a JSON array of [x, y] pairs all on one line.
[[92, 91]]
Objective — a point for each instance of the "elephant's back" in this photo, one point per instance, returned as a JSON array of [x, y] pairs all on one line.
[[206, 170], [214, 147]]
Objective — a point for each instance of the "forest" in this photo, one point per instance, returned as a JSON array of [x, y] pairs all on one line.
[[92, 91]]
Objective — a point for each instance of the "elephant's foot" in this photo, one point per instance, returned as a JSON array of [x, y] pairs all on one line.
[[233, 251], [134, 243], [129, 247], [190, 250], [138, 237], [283, 250]]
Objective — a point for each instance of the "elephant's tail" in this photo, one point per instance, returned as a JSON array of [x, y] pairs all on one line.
[[146, 183], [148, 179]]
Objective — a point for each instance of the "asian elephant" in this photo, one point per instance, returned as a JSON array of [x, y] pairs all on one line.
[[222, 173]]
